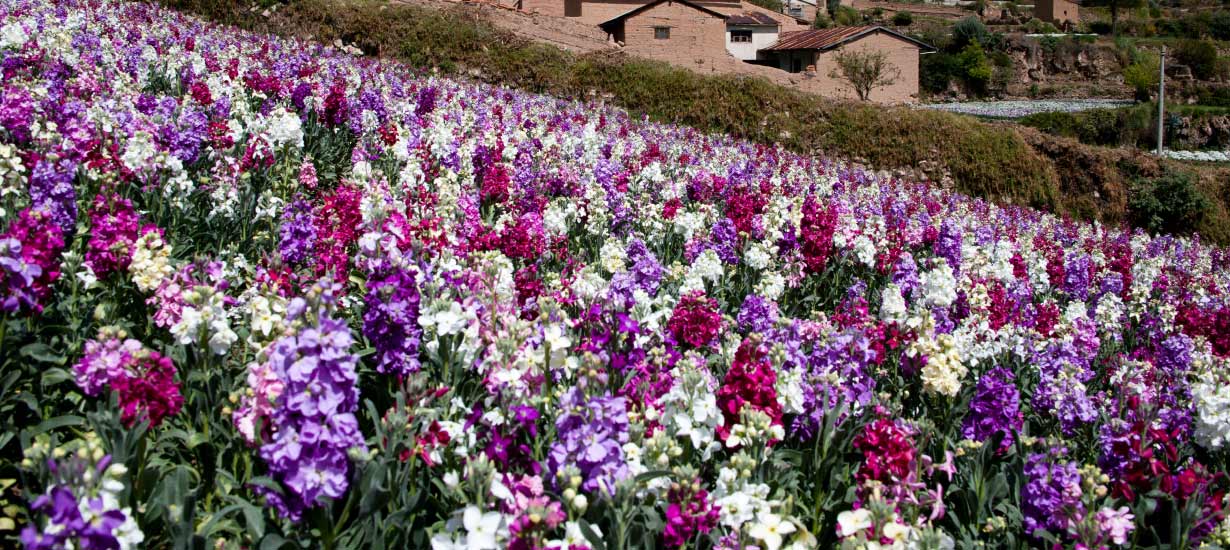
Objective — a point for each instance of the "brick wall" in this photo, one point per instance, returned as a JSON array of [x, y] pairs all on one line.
[[693, 34], [1059, 12], [901, 54]]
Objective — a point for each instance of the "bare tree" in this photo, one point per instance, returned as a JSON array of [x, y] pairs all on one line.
[[865, 71]]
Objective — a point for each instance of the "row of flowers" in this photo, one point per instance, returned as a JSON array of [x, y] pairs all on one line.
[[256, 291]]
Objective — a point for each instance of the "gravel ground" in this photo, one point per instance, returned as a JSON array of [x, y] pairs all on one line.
[[1018, 109]]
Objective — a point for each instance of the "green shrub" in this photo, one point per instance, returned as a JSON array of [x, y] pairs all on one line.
[[976, 67], [938, 70], [1131, 126], [823, 21], [1142, 74], [968, 31], [846, 16], [1219, 25], [1170, 203], [1038, 26], [903, 19], [1101, 27], [1200, 55]]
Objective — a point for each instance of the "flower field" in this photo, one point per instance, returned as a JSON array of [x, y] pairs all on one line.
[[261, 293]]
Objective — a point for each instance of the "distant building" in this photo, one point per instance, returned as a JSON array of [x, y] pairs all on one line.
[[815, 52], [719, 32], [1061, 13], [748, 33], [804, 10], [669, 28]]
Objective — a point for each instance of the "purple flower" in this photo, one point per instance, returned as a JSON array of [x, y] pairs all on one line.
[[315, 425], [996, 408], [391, 320], [757, 314], [590, 436], [644, 266], [724, 240], [51, 190], [1077, 276], [1051, 497], [298, 232], [948, 246]]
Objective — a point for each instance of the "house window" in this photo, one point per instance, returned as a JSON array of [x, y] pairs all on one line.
[[662, 33], [741, 36]]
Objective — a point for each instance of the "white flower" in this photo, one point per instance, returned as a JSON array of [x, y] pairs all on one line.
[[770, 528], [758, 256], [892, 304], [483, 530], [612, 256], [944, 371], [735, 510], [573, 536], [865, 250], [897, 532], [790, 391], [939, 287], [13, 36], [284, 128], [1211, 400], [851, 522]]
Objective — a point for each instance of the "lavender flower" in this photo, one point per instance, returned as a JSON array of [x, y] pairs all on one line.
[[644, 266], [51, 190], [314, 426], [591, 434], [757, 314]]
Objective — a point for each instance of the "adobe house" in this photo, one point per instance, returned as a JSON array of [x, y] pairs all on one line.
[[1061, 13], [683, 29], [669, 28], [814, 53]]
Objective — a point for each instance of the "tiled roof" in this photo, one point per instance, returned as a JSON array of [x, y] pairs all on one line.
[[751, 18], [827, 39]]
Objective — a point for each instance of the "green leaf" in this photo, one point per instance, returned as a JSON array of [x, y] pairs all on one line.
[[42, 353], [55, 376], [272, 541], [591, 535], [254, 517], [57, 422]]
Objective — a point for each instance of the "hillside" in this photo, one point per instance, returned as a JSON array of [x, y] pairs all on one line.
[[260, 292], [985, 160]]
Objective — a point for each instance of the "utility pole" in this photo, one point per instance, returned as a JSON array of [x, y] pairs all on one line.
[[1161, 101]]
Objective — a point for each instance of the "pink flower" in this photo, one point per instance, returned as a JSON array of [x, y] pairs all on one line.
[[1116, 524]]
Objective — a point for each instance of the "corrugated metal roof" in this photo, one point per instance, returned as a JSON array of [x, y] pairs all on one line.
[[816, 39], [751, 18], [826, 39]]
